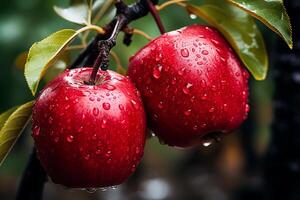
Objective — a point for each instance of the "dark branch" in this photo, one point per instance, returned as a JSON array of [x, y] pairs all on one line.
[[33, 180]]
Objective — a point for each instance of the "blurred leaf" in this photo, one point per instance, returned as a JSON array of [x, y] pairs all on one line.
[[272, 13], [78, 12], [20, 61], [240, 30], [58, 67], [42, 54], [12, 124]]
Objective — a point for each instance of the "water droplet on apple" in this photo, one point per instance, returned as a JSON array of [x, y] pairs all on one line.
[[173, 82], [185, 53], [36, 131], [207, 142], [91, 190], [181, 71], [195, 128], [56, 139], [187, 88], [160, 105], [205, 52], [70, 138], [95, 111], [110, 87], [98, 152], [50, 120], [203, 83], [121, 107], [237, 74], [188, 112], [135, 105], [204, 96], [106, 106], [103, 125], [215, 42], [157, 71], [87, 156], [247, 108], [212, 109]]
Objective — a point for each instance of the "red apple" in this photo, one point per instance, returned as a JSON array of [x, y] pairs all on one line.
[[192, 84], [89, 136]]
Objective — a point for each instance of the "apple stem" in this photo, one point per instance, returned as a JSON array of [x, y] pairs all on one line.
[[97, 51], [156, 16]]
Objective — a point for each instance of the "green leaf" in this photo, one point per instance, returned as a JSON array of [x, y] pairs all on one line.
[[78, 12], [272, 13], [240, 30], [58, 67], [44, 53], [12, 123]]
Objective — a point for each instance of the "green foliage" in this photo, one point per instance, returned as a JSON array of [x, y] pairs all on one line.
[[272, 13], [42, 54], [77, 13], [12, 123], [240, 30]]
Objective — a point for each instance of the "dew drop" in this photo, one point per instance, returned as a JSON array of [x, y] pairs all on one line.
[[91, 190], [110, 87], [98, 152], [185, 53], [92, 99], [188, 112], [203, 83], [186, 89], [96, 111], [50, 120], [135, 105], [212, 109], [106, 106], [181, 71], [205, 52], [173, 82], [204, 96], [56, 139], [70, 138], [193, 16], [215, 42], [103, 125], [87, 156], [207, 142], [237, 74], [247, 108], [160, 105], [195, 128], [121, 107], [157, 71], [36, 131]]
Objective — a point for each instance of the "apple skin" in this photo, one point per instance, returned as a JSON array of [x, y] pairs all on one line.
[[89, 136], [192, 84]]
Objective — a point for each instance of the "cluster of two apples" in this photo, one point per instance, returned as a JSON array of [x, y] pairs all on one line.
[[189, 83]]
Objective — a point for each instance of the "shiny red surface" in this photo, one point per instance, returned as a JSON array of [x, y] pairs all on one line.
[[192, 84], [89, 136]]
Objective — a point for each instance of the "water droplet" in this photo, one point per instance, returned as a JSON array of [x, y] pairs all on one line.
[[98, 151], [186, 89], [212, 109], [215, 42], [103, 125], [121, 107], [106, 106], [203, 83], [188, 112], [185, 53], [70, 138], [204, 96], [195, 128], [203, 125], [207, 142], [50, 120], [36, 131], [91, 190], [247, 108], [181, 71], [193, 16], [92, 99], [67, 107], [56, 139], [173, 82], [137, 150], [205, 52], [96, 111], [110, 87], [66, 98], [225, 107], [87, 156], [135, 105], [160, 105], [157, 71], [237, 74]]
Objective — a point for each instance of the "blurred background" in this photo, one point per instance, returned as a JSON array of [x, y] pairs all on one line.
[[258, 161]]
